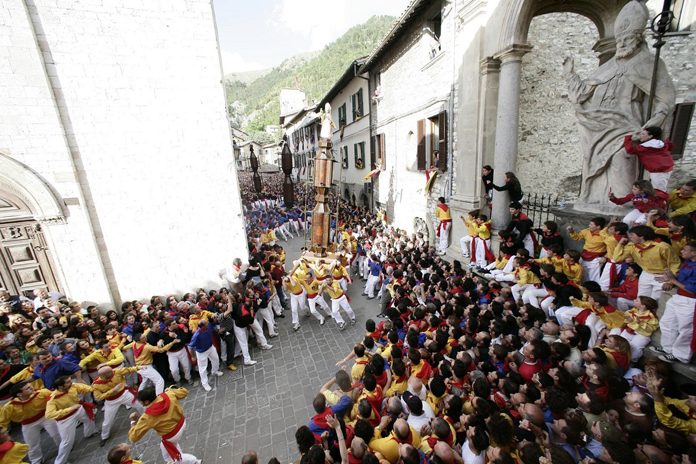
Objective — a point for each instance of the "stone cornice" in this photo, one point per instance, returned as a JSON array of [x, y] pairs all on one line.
[[489, 65], [515, 52]]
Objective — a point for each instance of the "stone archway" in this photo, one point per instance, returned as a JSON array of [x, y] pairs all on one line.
[[507, 48], [26, 203]]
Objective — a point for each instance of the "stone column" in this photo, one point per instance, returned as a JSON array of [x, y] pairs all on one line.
[[506, 134]]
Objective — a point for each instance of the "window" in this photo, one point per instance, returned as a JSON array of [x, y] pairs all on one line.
[[359, 152], [431, 151], [357, 102], [342, 115]]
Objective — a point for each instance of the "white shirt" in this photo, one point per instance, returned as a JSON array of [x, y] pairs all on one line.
[[469, 457]]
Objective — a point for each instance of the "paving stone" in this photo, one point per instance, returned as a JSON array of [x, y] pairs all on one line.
[[257, 407]]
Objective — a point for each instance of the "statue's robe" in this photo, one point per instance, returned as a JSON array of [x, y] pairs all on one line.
[[612, 102]]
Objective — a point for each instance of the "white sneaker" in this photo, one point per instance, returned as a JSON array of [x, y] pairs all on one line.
[[207, 388], [249, 363], [219, 373], [267, 347]]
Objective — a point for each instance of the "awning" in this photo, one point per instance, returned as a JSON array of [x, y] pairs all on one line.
[[372, 174]]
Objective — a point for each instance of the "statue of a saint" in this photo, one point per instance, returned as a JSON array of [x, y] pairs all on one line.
[[613, 102]]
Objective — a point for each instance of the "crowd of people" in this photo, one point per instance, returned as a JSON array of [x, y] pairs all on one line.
[[534, 355]]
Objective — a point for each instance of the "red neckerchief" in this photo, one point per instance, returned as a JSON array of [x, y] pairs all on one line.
[[138, 351], [18, 401], [642, 249], [443, 207], [320, 419], [159, 408], [5, 447]]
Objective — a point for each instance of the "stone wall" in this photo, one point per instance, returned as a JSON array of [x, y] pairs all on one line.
[[128, 120], [549, 157]]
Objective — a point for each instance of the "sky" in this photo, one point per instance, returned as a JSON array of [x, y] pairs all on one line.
[[260, 34]]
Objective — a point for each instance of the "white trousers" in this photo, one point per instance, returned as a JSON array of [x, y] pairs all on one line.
[[596, 325], [343, 282], [465, 245], [243, 338], [339, 303], [266, 315], [677, 326], [32, 436], [659, 180], [649, 286], [176, 359], [185, 457], [529, 244], [202, 359], [275, 305], [592, 270], [565, 314], [624, 304], [67, 428], [605, 277], [318, 300], [517, 291], [296, 305], [150, 373], [111, 409], [480, 257], [634, 218], [546, 305], [443, 242], [533, 295], [372, 282]]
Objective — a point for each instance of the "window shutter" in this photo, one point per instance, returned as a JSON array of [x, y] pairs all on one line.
[[420, 153], [382, 152], [360, 103], [442, 140]]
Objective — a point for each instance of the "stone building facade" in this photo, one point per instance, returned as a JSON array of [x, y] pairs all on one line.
[[495, 68], [114, 142]]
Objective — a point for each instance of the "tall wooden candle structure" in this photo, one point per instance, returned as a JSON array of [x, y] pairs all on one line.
[[323, 175]]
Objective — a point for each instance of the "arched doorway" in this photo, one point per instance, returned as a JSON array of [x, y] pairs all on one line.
[[25, 263]]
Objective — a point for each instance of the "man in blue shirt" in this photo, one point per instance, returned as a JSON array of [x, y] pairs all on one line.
[[677, 323], [375, 269], [49, 369], [202, 342]]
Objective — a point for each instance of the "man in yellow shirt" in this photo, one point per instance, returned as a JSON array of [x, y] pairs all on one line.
[[481, 253], [28, 407], [314, 297], [338, 301], [11, 452], [444, 224], [388, 446], [654, 257], [340, 275], [143, 351], [662, 406], [111, 388], [165, 415], [106, 354], [66, 408], [121, 454], [472, 232], [594, 248], [292, 285], [682, 201]]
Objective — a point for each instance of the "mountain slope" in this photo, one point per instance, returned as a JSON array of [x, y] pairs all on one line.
[[255, 105]]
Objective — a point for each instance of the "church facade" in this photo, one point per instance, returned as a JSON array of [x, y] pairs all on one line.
[[117, 174]]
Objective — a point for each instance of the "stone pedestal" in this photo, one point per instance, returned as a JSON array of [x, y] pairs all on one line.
[[579, 217]]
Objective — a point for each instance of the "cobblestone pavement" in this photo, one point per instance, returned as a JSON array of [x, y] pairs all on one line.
[[257, 407]]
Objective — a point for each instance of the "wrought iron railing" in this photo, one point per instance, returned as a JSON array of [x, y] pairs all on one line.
[[537, 206]]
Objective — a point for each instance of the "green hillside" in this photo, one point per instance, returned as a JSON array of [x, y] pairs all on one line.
[[255, 105]]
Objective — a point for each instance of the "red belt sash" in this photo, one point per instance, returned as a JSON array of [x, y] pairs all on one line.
[[119, 394], [321, 278], [312, 295], [89, 410], [441, 224], [171, 448], [35, 418], [686, 293], [297, 294], [590, 255]]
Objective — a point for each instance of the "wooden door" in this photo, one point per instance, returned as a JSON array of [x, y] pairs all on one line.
[[24, 261]]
